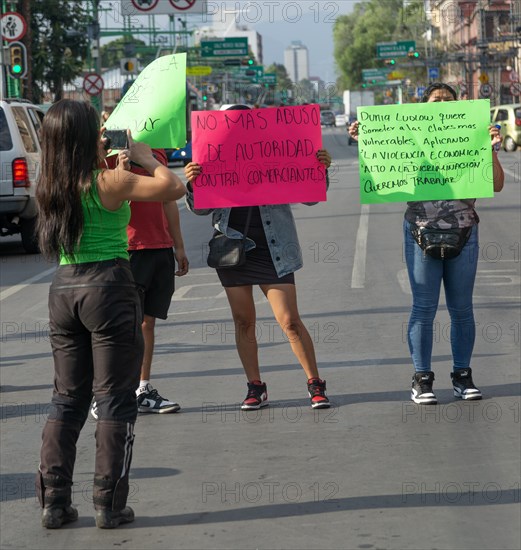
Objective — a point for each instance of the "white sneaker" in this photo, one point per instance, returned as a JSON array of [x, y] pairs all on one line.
[[149, 401]]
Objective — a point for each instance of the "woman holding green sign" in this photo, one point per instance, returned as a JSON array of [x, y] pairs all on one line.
[[441, 245]]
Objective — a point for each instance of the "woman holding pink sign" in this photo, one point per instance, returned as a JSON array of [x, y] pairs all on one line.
[[273, 255]]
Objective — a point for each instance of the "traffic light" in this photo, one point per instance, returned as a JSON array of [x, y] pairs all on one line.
[[128, 65], [414, 54], [390, 61], [249, 62], [205, 97], [17, 60]]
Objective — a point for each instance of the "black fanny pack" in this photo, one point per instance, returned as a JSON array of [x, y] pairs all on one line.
[[442, 244]]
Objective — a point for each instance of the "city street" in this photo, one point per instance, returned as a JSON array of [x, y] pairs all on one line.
[[374, 471]]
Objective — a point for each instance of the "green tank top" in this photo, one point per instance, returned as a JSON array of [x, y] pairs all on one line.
[[104, 234]]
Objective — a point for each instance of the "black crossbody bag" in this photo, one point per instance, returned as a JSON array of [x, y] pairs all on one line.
[[225, 253], [442, 244]]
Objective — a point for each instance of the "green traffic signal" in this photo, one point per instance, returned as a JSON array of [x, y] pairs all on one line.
[[250, 61], [17, 67]]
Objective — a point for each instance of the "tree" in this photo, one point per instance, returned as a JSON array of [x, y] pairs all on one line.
[[355, 37], [126, 46], [59, 44], [283, 80]]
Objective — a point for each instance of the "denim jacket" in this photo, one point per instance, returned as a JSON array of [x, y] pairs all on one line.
[[279, 227]]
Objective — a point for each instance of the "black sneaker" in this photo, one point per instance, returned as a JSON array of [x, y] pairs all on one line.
[[110, 519], [422, 388], [54, 518], [256, 397], [463, 384], [317, 393], [149, 401]]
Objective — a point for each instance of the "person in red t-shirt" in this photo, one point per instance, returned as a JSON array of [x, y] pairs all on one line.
[[153, 230]]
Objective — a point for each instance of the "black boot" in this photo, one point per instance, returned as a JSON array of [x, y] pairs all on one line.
[[54, 494], [110, 500], [110, 519]]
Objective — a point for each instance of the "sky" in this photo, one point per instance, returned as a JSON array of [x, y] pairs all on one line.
[[279, 22]]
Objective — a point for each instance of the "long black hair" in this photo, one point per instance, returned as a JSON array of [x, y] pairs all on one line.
[[70, 154], [438, 86]]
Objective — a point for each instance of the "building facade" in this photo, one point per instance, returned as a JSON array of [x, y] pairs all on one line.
[[481, 41], [296, 61]]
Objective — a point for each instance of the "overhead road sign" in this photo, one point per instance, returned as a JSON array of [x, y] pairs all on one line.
[[386, 50], [198, 70], [370, 75], [162, 7], [228, 47], [253, 72], [269, 78]]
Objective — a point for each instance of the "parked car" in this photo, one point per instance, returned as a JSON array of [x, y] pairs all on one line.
[[20, 126], [340, 120], [327, 118], [509, 117], [183, 155]]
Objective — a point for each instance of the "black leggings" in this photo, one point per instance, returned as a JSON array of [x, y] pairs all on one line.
[[95, 331]]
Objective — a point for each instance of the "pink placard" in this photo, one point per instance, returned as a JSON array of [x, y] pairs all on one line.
[[258, 156]]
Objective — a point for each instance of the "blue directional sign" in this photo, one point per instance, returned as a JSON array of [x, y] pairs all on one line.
[[434, 73]]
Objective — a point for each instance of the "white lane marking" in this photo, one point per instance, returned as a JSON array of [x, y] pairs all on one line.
[[358, 274], [20, 286]]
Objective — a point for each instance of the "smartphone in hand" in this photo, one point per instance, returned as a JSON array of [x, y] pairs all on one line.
[[116, 139]]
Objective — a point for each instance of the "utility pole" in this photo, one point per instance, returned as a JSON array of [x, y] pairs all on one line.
[[94, 46], [27, 90]]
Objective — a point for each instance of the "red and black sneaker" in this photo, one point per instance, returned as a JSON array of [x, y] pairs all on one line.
[[257, 396], [317, 393]]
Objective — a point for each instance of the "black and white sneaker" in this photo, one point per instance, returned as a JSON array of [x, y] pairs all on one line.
[[149, 401], [463, 385], [421, 392], [256, 397]]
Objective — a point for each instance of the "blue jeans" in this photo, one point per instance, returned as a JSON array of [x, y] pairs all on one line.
[[425, 276]]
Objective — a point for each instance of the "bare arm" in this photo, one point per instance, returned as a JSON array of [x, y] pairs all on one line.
[[192, 170], [118, 185], [497, 170], [174, 228]]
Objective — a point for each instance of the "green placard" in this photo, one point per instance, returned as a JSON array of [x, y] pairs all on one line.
[[425, 151], [154, 107]]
